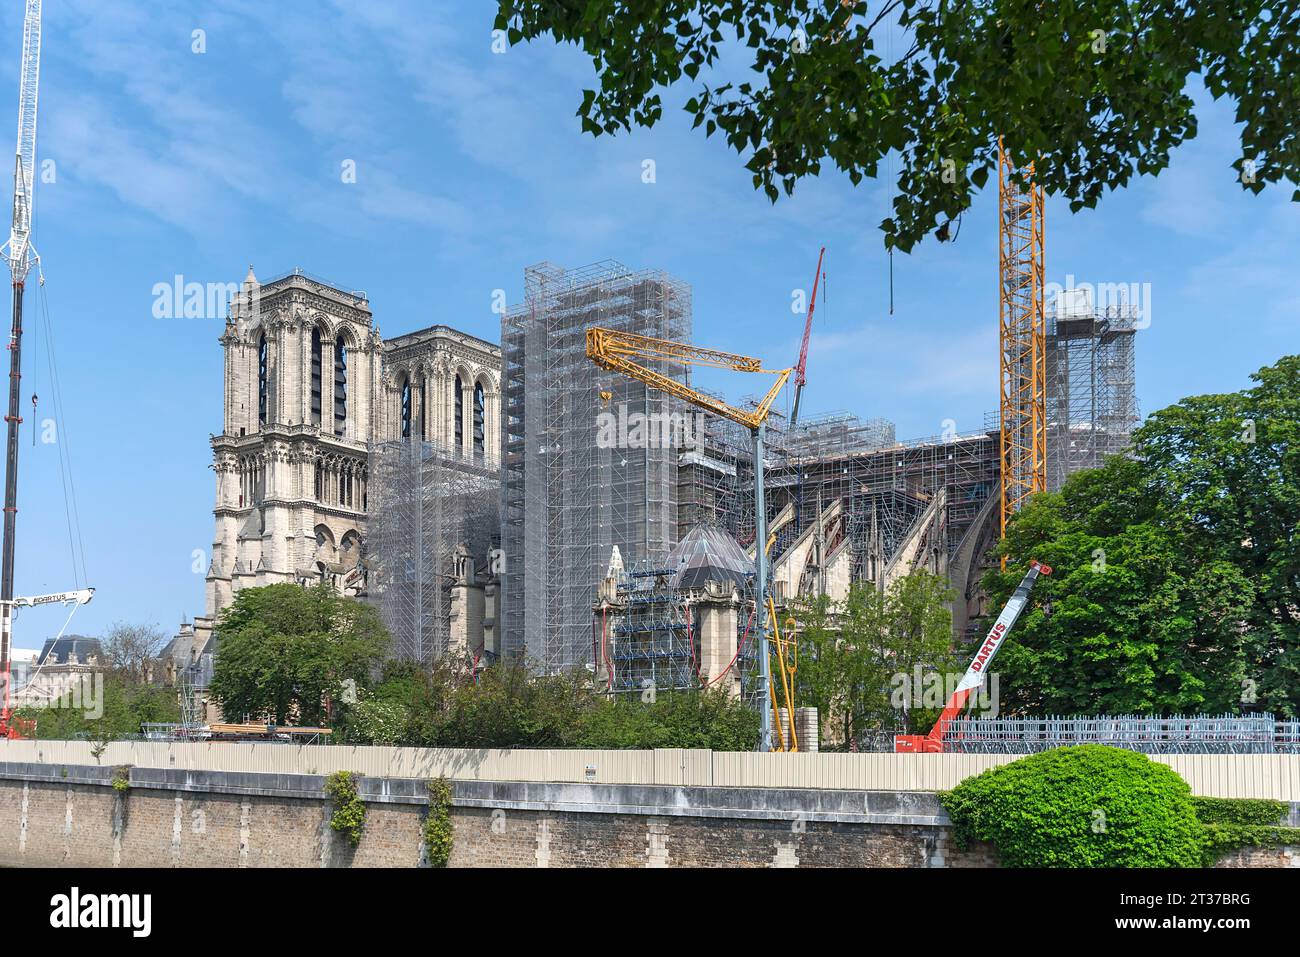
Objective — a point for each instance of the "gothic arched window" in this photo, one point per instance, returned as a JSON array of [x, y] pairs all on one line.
[[315, 376], [424, 433], [262, 378], [406, 407], [460, 415], [479, 419], [340, 387]]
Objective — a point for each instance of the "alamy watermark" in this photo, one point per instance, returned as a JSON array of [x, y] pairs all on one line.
[[182, 299], [1115, 300], [652, 430], [915, 690], [81, 692]]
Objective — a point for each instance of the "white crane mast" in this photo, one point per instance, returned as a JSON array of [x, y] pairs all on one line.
[[21, 256], [19, 246]]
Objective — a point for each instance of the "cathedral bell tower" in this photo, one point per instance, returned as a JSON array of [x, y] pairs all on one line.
[[302, 372]]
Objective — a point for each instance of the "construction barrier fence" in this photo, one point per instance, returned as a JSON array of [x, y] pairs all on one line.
[[1275, 776]]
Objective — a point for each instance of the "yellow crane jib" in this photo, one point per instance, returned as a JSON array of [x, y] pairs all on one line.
[[616, 351]]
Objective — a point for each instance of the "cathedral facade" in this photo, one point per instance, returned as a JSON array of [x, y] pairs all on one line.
[[311, 390]]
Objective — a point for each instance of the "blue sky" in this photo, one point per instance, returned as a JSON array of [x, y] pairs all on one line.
[[470, 166]]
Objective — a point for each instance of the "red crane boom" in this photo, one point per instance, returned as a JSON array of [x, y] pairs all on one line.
[[800, 370]]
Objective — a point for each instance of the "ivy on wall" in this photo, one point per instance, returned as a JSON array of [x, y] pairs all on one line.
[[438, 831], [349, 815], [1234, 823]]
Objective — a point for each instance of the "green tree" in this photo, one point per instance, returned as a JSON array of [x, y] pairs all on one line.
[[285, 651], [919, 626], [1090, 92], [1176, 582], [1225, 469], [841, 673]]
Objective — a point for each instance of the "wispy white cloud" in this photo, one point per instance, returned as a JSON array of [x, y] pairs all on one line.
[[168, 137], [881, 368]]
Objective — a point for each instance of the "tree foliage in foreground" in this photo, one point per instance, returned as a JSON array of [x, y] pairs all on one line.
[[1176, 583], [1091, 92]]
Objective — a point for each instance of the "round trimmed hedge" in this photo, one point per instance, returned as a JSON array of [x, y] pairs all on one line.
[[1084, 806]]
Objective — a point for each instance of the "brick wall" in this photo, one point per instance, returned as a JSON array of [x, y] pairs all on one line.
[[179, 819]]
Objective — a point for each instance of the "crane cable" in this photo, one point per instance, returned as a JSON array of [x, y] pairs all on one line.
[[72, 516]]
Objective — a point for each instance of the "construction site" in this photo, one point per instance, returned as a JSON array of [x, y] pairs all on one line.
[[657, 510], [630, 506], [567, 499], [588, 583]]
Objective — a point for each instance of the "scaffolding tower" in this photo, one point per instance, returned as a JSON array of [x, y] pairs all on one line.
[[1091, 385], [571, 489], [432, 510], [652, 642], [839, 433]]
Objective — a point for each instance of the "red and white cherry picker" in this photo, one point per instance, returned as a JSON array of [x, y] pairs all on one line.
[[974, 677]]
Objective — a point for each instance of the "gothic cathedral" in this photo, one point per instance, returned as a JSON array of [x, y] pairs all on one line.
[[310, 389]]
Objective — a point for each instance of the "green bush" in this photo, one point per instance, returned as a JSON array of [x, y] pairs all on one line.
[[690, 719], [381, 722], [349, 810], [507, 707], [1085, 806], [1232, 823], [438, 831], [1243, 811]]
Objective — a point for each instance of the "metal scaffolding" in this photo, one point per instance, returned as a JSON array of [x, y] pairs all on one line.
[[903, 477], [580, 475], [880, 492], [652, 641], [716, 479], [839, 433], [1091, 386], [649, 626], [431, 511]]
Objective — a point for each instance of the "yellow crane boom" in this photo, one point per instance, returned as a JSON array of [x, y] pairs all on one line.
[[616, 351]]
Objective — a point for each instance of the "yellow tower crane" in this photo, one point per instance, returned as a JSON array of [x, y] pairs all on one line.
[[623, 352], [1021, 333]]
